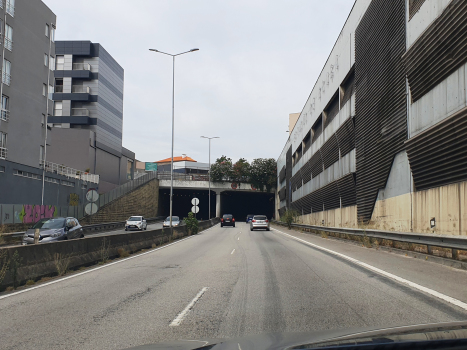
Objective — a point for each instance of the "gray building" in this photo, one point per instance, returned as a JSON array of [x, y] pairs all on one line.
[[28, 60], [88, 113]]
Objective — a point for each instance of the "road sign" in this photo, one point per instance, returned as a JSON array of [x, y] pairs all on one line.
[[150, 166], [195, 209], [92, 195], [195, 201], [91, 208]]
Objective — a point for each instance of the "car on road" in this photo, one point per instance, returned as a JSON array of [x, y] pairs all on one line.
[[175, 221], [249, 217], [53, 230], [227, 220], [259, 222], [136, 222]]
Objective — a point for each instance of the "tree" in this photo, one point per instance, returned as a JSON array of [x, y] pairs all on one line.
[[263, 173], [221, 170], [241, 171]]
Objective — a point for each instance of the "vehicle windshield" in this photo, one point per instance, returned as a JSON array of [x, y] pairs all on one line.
[[343, 122], [50, 223]]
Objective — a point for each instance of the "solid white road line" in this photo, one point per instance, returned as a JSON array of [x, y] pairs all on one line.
[[100, 267], [181, 316], [238, 239], [233, 251], [384, 273]]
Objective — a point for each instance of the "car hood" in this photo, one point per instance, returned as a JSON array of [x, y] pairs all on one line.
[[441, 331], [43, 232]]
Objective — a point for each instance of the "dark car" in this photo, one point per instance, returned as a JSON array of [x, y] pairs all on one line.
[[227, 220], [53, 230], [249, 217]]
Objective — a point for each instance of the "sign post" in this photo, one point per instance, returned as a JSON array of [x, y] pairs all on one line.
[[195, 208]]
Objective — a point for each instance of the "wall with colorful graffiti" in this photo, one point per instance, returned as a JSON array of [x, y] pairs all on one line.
[[33, 213]]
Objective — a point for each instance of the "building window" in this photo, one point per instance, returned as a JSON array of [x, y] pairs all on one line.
[[46, 60], [52, 63], [51, 91], [47, 30], [58, 108], [10, 7], [52, 33], [68, 183], [5, 112], [60, 63], [52, 180], [43, 119], [41, 155], [44, 89], [3, 140], [2, 169], [27, 174], [6, 72], [58, 85], [8, 38]]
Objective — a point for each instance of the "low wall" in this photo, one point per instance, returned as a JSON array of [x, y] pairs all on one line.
[[41, 260]]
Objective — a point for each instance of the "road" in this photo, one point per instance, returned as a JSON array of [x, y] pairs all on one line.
[[246, 283]]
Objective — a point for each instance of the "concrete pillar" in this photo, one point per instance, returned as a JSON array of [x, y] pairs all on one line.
[[218, 204]]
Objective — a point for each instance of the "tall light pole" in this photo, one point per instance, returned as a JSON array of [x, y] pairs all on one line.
[[209, 172], [173, 119]]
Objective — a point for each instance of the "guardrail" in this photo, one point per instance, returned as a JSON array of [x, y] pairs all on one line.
[[182, 177], [107, 226], [455, 243]]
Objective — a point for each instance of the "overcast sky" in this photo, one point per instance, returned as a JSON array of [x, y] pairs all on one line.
[[258, 62]]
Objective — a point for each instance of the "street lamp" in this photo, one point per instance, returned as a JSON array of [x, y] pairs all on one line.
[[209, 138], [173, 118]]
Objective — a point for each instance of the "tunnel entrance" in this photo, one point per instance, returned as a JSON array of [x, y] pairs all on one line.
[[240, 204], [182, 203]]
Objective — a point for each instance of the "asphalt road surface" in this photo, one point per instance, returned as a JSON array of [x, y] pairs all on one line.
[[230, 282]]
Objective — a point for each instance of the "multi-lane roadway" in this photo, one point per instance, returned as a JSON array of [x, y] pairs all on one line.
[[230, 282]]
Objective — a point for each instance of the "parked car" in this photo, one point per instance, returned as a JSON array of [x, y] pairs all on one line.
[[249, 217], [136, 222], [53, 230], [259, 222], [175, 221], [227, 220]]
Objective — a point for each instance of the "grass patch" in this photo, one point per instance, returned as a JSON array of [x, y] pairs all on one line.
[[30, 282], [122, 253]]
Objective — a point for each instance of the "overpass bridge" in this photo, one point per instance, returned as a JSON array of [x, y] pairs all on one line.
[[239, 199]]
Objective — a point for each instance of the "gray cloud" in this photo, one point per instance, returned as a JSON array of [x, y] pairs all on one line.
[[258, 62]]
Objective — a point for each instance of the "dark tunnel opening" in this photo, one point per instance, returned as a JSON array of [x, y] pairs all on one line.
[[237, 203]]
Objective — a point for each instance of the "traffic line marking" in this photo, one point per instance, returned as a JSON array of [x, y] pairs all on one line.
[[238, 238], [101, 267], [432, 292], [232, 251], [181, 316]]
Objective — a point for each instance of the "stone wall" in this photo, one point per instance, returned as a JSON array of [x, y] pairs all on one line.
[[142, 201]]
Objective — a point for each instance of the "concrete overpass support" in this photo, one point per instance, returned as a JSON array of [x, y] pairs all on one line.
[[218, 204]]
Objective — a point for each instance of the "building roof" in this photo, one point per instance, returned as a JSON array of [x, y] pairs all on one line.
[[177, 159]]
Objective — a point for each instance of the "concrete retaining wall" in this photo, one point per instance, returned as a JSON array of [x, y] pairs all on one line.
[[41, 260]]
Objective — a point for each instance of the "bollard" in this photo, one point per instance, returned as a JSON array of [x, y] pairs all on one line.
[[36, 236], [455, 254]]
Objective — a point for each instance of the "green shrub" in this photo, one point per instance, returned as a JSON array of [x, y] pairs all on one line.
[[289, 217], [191, 224]]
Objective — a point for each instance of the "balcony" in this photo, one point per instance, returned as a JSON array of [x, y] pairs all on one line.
[[6, 78], [3, 152], [81, 66], [80, 90], [8, 44], [80, 112], [10, 8], [69, 172], [4, 115]]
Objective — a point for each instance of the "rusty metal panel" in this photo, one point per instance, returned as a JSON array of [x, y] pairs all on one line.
[[381, 116], [330, 152], [347, 190], [439, 51], [346, 137], [438, 156], [306, 172], [330, 196], [316, 164]]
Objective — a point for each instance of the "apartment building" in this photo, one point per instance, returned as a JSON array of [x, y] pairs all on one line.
[[380, 139], [88, 110]]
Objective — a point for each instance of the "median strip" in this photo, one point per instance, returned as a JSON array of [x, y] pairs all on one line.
[[429, 291]]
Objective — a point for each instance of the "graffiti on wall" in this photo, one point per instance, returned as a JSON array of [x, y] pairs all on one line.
[[33, 213], [74, 200]]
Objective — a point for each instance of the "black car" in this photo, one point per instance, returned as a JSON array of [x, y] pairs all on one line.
[[54, 229], [227, 220]]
